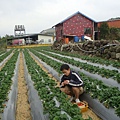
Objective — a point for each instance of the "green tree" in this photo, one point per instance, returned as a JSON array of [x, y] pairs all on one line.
[[114, 33], [3, 40], [104, 30]]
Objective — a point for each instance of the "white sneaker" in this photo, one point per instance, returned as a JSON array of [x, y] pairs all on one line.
[[71, 99], [77, 100]]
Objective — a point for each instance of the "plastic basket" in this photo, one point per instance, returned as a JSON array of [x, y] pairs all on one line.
[[83, 106]]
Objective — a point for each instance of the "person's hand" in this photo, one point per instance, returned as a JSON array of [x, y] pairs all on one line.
[[66, 82], [62, 84]]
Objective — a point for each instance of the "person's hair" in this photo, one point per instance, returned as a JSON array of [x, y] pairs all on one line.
[[64, 67]]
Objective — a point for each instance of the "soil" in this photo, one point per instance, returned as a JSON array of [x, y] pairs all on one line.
[[85, 114], [90, 113], [23, 111]]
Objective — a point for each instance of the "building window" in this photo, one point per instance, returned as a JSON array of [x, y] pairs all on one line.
[[87, 30], [42, 40], [49, 40]]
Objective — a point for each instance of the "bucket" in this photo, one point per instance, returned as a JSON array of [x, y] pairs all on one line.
[[82, 37], [76, 39], [66, 40]]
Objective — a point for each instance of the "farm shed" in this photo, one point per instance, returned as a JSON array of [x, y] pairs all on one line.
[[77, 24], [45, 39], [31, 39]]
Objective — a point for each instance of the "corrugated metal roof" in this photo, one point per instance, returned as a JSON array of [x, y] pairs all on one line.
[[28, 35], [74, 15], [50, 31]]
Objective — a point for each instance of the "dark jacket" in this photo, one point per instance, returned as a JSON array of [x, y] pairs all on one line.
[[74, 79]]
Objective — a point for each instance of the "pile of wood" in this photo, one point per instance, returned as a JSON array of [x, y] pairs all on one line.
[[57, 45]]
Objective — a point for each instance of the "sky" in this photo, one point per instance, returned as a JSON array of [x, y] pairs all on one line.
[[38, 15]]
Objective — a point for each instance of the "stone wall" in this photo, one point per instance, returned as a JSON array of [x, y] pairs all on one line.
[[102, 48], [107, 49]]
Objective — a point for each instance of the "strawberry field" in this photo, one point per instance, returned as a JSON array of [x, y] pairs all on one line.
[[42, 73]]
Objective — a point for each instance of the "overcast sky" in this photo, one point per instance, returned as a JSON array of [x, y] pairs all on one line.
[[37, 15]]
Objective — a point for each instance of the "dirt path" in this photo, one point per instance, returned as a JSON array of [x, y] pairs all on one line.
[[86, 114], [90, 113], [23, 107]]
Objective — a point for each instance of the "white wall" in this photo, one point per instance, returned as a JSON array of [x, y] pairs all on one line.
[[45, 39]]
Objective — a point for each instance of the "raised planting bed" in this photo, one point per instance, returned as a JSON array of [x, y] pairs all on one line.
[[54, 102], [5, 55], [92, 69], [5, 60], [85, 61], [34, 99], [85, 57], [109, 82], [108, 96], [7, 98], [2, 53]]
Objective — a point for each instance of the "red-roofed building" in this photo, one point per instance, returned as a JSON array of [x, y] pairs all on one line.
[[111, 23], [77, 24]]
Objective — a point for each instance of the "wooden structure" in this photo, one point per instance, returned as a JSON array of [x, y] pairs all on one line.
[[77, 24]]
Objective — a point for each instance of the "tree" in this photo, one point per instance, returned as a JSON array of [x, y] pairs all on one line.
[[104, 30], [114, 33], [4, 39]]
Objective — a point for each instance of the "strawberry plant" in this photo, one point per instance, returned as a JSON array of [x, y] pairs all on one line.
[[118, 110], [5, 55], [97, 89], [59, 108], [2, 52], [6, 75], [93, 69], [85, 57]]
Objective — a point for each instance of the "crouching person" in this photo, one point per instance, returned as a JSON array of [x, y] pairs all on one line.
[[71, 83]]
